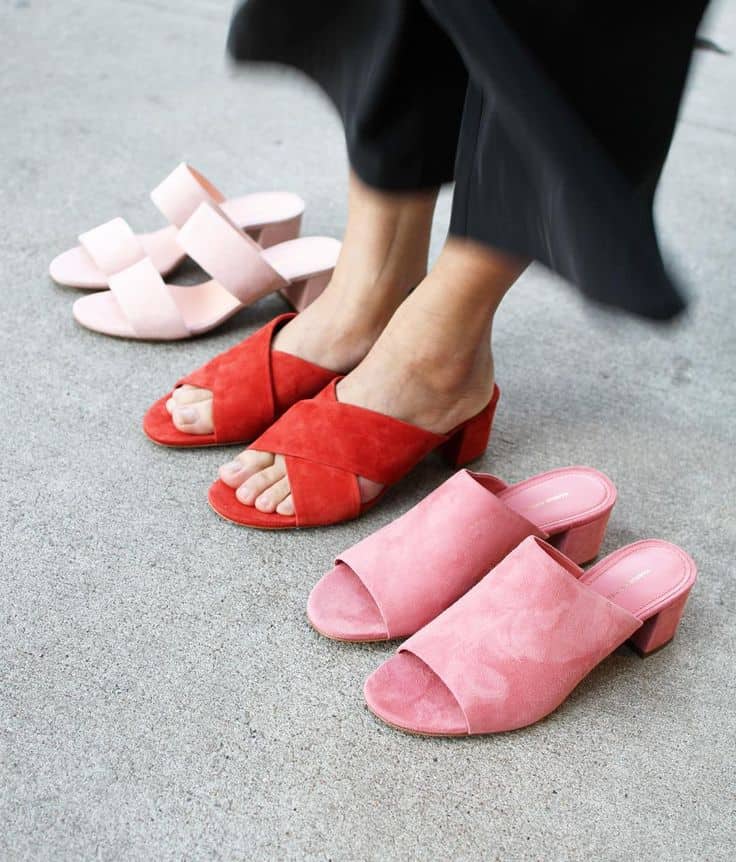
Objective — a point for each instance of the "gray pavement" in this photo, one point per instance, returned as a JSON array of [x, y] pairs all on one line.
[[162, 696]]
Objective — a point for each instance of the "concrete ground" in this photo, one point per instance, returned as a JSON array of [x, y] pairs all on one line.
[[162, 695]]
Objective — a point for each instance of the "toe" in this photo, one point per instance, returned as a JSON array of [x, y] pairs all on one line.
[[341, 607], [286, 506], [272, 497], [253, 487], [368, 489], [193, 418], [404, 692], [247, 464], [187, 394]]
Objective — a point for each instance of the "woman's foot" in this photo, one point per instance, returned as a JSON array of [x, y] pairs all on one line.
[[384, 255], [432, 367]]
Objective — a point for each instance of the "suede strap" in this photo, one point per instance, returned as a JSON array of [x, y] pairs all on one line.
[[228, 254], [362, 442], [422, 562], [146, 302], [252, 385], [179, 195], [112, 246]]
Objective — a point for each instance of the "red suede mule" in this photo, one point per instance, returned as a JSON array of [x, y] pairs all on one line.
[[251, 385], [327, 445]]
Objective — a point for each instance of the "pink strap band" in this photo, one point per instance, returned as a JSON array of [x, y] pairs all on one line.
[[146, 302], [513, 648], [112, 246], [229, 255], [420, 563], [182, 192]]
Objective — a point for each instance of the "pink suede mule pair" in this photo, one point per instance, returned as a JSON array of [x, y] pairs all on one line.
[[491, 651], [248, 245]]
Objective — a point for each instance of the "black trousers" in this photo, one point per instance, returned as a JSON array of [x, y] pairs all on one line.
[[553, 118]]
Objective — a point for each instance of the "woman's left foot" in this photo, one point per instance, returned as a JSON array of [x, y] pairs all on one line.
[[432, 380]]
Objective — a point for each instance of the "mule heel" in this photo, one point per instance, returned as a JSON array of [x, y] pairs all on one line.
[[583, 543], [660, 629], [471, 439], [300, 294], [273, 234]]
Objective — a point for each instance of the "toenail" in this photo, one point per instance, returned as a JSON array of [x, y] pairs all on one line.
[[244, 492], [233, 466], [187, 414]]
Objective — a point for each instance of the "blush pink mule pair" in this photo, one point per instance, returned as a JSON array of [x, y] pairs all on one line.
[[268, 217], [499, 651], [216, 234]]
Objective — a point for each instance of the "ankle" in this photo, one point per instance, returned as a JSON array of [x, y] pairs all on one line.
[[458, 374]]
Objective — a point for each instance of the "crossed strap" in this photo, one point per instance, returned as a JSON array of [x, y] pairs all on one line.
[[252, 385], [327, 444], [419, 564]]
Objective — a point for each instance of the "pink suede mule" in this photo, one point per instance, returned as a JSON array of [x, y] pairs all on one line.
[[511, 650], [268, 217], [400, 578], [141, 305], [251, 385]]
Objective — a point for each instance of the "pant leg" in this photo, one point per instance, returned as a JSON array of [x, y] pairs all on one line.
[[391, 71], [569, 117]]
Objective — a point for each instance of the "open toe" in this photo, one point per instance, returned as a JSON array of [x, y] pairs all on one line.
[[251, 386], [512, 649], [415, 567], [340, 607], [407, 694]]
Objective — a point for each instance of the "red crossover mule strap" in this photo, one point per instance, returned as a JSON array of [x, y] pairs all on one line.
[[350, 438], [327, 445], [251, 384]]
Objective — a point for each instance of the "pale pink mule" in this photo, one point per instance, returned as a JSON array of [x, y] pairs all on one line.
[[395, 581], [141, 305], [268, 217], [511, 650]]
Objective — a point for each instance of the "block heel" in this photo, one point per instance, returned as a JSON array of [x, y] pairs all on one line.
[[470, 441], [300, 294], [273, 234], [660, 629], [583, 543]]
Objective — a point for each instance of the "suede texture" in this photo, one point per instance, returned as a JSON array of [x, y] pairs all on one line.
[[228, 254], [397, 580], [514, 647], [327, 444], [421, 563], [252, 386], [146, 302], [112, 246]]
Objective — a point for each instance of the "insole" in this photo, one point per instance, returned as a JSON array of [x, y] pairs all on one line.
[[261, 208], [642, 577], [558, 497], [251, 212]]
